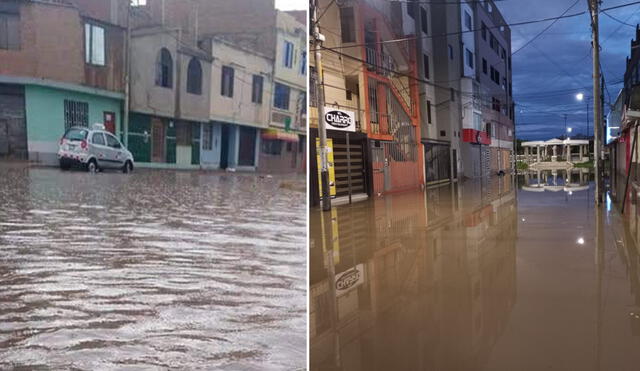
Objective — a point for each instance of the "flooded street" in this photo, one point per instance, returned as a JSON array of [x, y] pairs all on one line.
[[506, 274], [153, 270]]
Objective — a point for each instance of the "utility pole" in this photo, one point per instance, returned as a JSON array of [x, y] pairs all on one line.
[[597, 116], [322, 129], [127, 84]]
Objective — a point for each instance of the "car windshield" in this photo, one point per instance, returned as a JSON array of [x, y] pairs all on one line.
[[76, 134]]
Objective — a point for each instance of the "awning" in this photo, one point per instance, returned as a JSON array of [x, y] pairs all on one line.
[[275, 134]]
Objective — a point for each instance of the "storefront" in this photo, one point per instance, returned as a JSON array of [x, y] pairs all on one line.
[[281, 152]]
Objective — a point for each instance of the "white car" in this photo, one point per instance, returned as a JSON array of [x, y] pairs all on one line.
[[93, 149]]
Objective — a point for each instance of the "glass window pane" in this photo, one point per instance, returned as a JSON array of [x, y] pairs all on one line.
[[97, 46]]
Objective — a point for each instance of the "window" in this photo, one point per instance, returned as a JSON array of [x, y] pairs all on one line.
[[256, 89], [503, 53], [484, 66], [450, 51], [226, 84], [10, 27], [426, 66], [207, 134], [271, 147], [75, 113], [98, 139], [488, 129], [484, 31], [467, 21], [164, 69], [303, 62], [281, 96], [194, 77], [453, 95], [424, 20], [429, 111], [112, 141], [94, 46], [497, 80], [469, 58], [347, 25], [443, 133], [288, 54]]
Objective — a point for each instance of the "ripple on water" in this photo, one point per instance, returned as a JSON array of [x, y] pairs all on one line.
[[152, 270]]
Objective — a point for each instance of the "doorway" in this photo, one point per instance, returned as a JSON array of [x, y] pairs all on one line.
[[224, 147], [158, 143]]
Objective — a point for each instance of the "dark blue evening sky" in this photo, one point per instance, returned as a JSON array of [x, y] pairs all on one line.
[[549, 72]]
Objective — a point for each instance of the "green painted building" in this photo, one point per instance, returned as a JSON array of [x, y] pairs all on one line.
[[48, 108]]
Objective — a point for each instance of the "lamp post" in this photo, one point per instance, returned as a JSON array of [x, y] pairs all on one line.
[[580, 97]]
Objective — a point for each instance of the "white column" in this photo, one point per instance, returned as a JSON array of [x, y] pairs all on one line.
[[580, 146], [538, 153]]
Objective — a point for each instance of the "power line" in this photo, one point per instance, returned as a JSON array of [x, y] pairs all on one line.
[[617, 20], [447, 88], [545, 29], [412, 38]]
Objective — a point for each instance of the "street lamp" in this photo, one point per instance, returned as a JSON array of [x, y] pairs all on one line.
[[580, 97]]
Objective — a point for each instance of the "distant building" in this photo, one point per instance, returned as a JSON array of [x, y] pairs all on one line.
[[474, 62]]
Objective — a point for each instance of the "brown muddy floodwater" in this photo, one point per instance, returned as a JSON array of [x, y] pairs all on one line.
[[504, 274], [152, 270]]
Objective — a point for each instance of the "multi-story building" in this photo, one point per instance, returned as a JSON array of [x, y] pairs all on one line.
[[241, 81], [493, 73], [282, 146], [248, 111], [47, 85], [474, 101], [169, 102], [375, 82], [439, 147]]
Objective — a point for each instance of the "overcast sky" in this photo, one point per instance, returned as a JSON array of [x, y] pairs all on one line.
[[292, 4], [549, 72]]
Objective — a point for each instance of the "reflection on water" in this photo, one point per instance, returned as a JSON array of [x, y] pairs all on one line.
[[476, 276], [157, 269]]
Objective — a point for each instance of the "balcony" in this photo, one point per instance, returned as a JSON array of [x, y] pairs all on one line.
[[380, 62]]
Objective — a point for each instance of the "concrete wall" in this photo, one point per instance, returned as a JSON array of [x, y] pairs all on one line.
[[289, 29], [43, 55], [192, 106], [146, 96], [45, 118], [239, 109]]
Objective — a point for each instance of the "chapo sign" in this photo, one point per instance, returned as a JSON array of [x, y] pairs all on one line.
[[349, 279], [337, 119]]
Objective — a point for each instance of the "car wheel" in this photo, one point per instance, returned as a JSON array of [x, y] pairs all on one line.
[[92, 166], [127, 168]]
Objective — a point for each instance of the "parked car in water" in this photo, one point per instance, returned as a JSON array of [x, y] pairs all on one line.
[[93, 149]]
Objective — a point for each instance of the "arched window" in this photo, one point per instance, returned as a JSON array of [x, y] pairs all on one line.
[[194, 77], [164, 69]]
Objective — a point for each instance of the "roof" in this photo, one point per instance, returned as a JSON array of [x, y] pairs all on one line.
[[554, 142]]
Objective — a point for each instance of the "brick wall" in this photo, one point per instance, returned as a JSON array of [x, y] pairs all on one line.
[[52, 47]]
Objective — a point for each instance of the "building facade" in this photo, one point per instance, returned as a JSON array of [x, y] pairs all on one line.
[[43, 89], [283, 143], [169, 99], [475, 103], [377, 83]]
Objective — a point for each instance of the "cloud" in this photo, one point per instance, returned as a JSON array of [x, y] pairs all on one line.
[[550, 71]]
